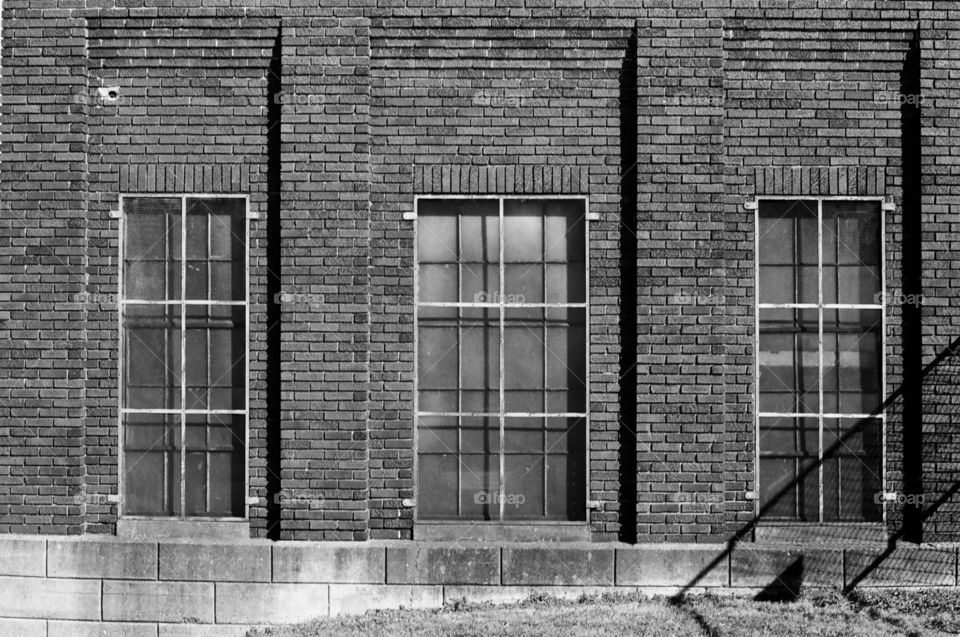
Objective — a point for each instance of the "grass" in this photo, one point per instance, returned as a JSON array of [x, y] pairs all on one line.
[[816, 612]]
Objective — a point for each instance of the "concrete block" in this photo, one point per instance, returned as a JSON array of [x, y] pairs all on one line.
[[100, 629], [23, 556], [512, 594], [49, 598], [98, 558], [358, 598], [677, 565], [215, 562], [329, 562], [785, 569], [903, 566], [158, 601], [190, 530], [575, 566], [23, 627], [423, 564], [269, 603], [202, 630]]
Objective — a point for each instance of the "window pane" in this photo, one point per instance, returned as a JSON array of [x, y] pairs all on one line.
[[481, 283], [215, 451], [523, 483], [152, 248], [789, 489], [523, 282], [438, 350], [565, 251], [851, 477], [786, 436], [789, 474], [216, 363], [438, 434], [787, 240], [524, 468], [479, 434], [480, 486], [480, 349], [566, 440], [216, 249], [565, 347], [480, 468], [851, 251], [438, 283], [436, 238], [565, 283], [523, 221], [151, 464], [151, 337], [564, 231], [789, 361], [437, 480], [852, 350], [524, 361], [452, 230], [480, 232]]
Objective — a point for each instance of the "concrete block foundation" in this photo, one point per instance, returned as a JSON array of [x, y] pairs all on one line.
[[205, 588]]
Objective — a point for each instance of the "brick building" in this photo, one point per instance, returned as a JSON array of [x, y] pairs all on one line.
[[651, 271]]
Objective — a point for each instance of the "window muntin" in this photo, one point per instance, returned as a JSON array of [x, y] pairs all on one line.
[[820, 359], [501, 320], [183, 411]]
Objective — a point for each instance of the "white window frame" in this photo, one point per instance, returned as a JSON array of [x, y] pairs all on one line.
[[502, 305], [821, 416], [183, 302]]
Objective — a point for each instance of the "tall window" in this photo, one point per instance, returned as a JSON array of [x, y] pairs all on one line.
[[501, 359], [183, 313], [820, 317]]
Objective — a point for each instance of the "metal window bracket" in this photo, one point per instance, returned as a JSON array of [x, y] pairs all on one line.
[[594, 504], [750, 205], [593, 216], [113, 498], [115, 214], [408, 502], [252, 215], [252, 500], [751, 495], [409, 216], [889, 206]]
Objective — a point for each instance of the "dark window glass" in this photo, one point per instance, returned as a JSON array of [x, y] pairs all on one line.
[[818, 362], [514, 371], [179, 356]]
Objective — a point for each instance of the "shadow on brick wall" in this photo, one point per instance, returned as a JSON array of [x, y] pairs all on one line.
[[627, 437], [274, 278]]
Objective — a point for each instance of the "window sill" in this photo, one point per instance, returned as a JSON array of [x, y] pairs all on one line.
[[165, 529], [502, 532]]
